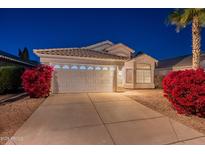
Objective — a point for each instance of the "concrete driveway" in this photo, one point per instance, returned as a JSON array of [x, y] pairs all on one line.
[[101, 118]]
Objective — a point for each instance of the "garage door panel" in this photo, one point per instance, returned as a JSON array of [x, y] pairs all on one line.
[[83, 81]]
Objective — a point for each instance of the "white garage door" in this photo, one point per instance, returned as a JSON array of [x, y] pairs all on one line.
[[83, 78]]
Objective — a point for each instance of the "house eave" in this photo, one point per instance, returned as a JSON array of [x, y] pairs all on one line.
[[15, 60], [75, 57], [148, 56]]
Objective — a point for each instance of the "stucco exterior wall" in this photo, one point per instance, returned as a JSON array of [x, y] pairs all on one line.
[[143, 59], [120, 65], [165, 71], [120, 52], [128, 65], [146, 60], [162, 71], [64, 61]]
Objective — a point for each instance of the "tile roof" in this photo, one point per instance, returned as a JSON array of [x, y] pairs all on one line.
[[96, 45], [185, 60], [78, 52], [119, 45]]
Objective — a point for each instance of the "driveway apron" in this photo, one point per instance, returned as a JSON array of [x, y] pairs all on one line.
[[101, 118]]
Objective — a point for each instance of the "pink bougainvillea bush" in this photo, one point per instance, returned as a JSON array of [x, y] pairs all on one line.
[[186, 91], [37, 81]]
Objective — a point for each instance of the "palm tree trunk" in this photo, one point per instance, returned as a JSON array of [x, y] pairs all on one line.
[[196, 42]]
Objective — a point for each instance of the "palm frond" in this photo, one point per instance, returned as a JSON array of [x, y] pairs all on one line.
[[183, 17], [202, 17], [186, 17], [175, 19]]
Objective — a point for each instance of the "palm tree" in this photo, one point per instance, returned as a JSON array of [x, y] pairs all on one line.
[[183, 17]]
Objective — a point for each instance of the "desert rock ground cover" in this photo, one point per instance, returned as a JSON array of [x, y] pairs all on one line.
[[155, 100], [13, 115], [6, 96]]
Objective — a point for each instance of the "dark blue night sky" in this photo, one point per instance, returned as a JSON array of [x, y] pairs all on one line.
[[141, 29]]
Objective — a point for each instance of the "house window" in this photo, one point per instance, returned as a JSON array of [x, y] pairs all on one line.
[[90, 68], [112, 68], [105, 68], [129, 77], [74, 67], [66, 67], [97, 68], [143, 73], [82, 67], [57, 67]]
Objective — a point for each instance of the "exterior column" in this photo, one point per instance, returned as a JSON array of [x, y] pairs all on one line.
[[115, 79], [134, 75]]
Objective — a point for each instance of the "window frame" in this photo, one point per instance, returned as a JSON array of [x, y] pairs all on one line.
[[126, 70], [143, 73]]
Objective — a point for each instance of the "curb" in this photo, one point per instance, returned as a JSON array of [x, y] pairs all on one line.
[[13, 98]]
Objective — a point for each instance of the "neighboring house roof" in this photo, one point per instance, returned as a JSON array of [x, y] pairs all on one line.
[[10, 57], [180, 61], [78, 52]]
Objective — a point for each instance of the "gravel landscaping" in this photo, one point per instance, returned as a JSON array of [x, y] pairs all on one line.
[[6, 96], [13, 115], [155, 100]]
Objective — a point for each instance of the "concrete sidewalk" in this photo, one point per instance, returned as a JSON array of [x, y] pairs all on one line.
[[101, 118]]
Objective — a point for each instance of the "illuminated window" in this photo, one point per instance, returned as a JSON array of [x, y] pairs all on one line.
[[97, 68], [105, 68], [74, 67], [57, 66], [65, 67], [143, 73], [90, 68], [82, 68]]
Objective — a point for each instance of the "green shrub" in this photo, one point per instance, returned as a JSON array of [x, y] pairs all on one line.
[[158, 81], [10, 78]]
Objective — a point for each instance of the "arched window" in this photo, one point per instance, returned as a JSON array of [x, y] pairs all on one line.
[[97, 68], [105, 68], [82, 67], [90, 68], [112, 68], [74, 67], [57, 66], [66, 67]]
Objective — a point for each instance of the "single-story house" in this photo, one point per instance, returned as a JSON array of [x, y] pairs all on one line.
[[101, 67], [7, 59], [177, 63]]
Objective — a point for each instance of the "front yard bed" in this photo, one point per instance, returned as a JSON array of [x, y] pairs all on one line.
[[13, 115], [155, 100], [6, 96]]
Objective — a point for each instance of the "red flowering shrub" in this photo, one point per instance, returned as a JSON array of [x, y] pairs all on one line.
[[37, 81], [186, 91]]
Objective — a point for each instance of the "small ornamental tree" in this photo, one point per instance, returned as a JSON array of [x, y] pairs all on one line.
[[37, 81], [186, 91]]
